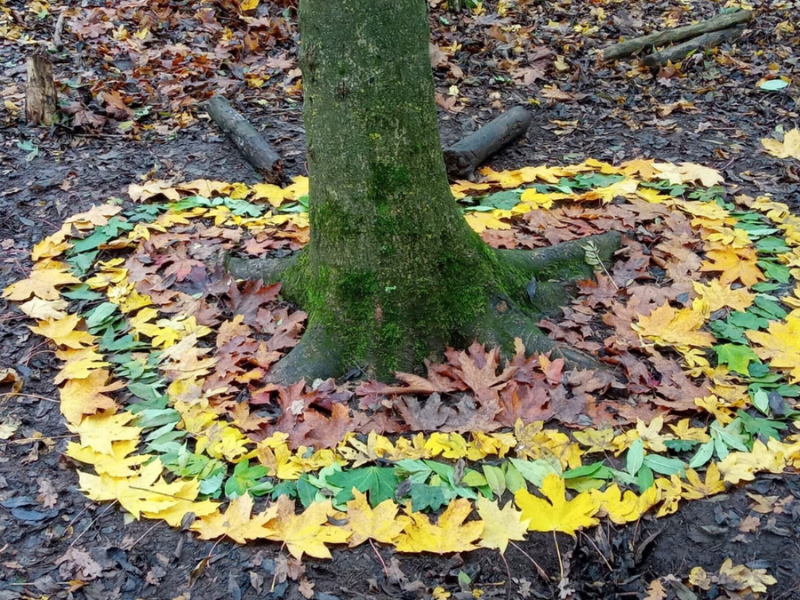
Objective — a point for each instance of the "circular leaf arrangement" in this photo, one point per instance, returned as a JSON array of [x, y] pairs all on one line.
[[164, 357]]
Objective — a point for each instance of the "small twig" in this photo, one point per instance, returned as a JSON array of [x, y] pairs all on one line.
[[29, 396], [156, 524], [558, 553], [92, 522], [380, 558], [508, 570], [275, 576], [541, 571], [610, 568]]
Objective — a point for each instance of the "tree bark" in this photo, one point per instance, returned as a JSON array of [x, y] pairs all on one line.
[[247, 140], [678, 34], [463, 157], [41, 107], [393, 274]]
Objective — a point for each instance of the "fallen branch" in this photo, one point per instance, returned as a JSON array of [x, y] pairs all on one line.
[[58, 41], [462, 158], [681, 51], [678, 34], [247, 140]]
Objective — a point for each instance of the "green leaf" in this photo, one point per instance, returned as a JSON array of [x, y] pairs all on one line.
[[81, 292], [760, 400], [635, 457], [765, 286], [773, 85], [703, 455], [306, 491], [415, 470], [772, 245], [425, 497], [378, 482], [473, 478], [761, 428], [594, 471], [100, 314], [736, 356], [644, 478], [728, 331], [769, 306], [495, 479], [244, 478], [284, 488], [775, 271], [664, 465], [505, 200], [514, 480], [729, 436], [534, 470], [680, 445], [748, 320]]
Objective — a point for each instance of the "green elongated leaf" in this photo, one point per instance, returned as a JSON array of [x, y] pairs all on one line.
[[760, 400], [378, 482], [306, 491], [594, 471], [772, 245], [664, 465], [495, 479], [773, 85], [736, 356], [702, 456], [534, 470], [644, 478], [212, 485], [635, 457], [154, 417], [100, 314], [769, 306], [765, 286], [623, 477], [514, 480], [748, 320], [286, 488], [415, 470], [730, 435], [775, 271], [446, 472], [473, 478], [724, 330]]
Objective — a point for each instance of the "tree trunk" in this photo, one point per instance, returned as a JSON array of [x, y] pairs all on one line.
[[392, 274]]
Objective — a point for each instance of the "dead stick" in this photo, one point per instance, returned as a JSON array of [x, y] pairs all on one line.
[[676, 35], [58, 42], [681, 51], [247, 140], [462, 158]]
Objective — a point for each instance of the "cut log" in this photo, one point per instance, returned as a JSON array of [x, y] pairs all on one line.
[[41, 99], [247, 140], [681, 51], [465, 156], [678, 34]]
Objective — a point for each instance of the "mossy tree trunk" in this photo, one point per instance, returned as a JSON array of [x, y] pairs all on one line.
[[393, 273]]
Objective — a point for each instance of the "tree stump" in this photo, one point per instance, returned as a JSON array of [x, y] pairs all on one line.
[[41, 99]]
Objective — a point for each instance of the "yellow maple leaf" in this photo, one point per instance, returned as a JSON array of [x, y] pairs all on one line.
[[735, 263], [625, 508], [689, 173], [78, 364], [86, 396], [41, 310], [97, 216], [101, 430], [365, 522], [780, 345], [559, 514], [597, 440], [789, 148], [119, 463], [625, 188], [140, 193], [670, 491], [501, 525], [145, 492], [506, 179], [667, 326], [269, 192], [651, 434], [684, 431], [449, 534], [533, 198], [449, 445], [645, 169], [236, 522], [41, 283], [481, 221], [720, 296], [697, 489], [63, 332], [308, 532]]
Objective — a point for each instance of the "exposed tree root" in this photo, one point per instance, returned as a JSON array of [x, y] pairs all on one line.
[[554, 269]]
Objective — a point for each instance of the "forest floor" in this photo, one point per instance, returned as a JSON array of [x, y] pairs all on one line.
[[709, 111]]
